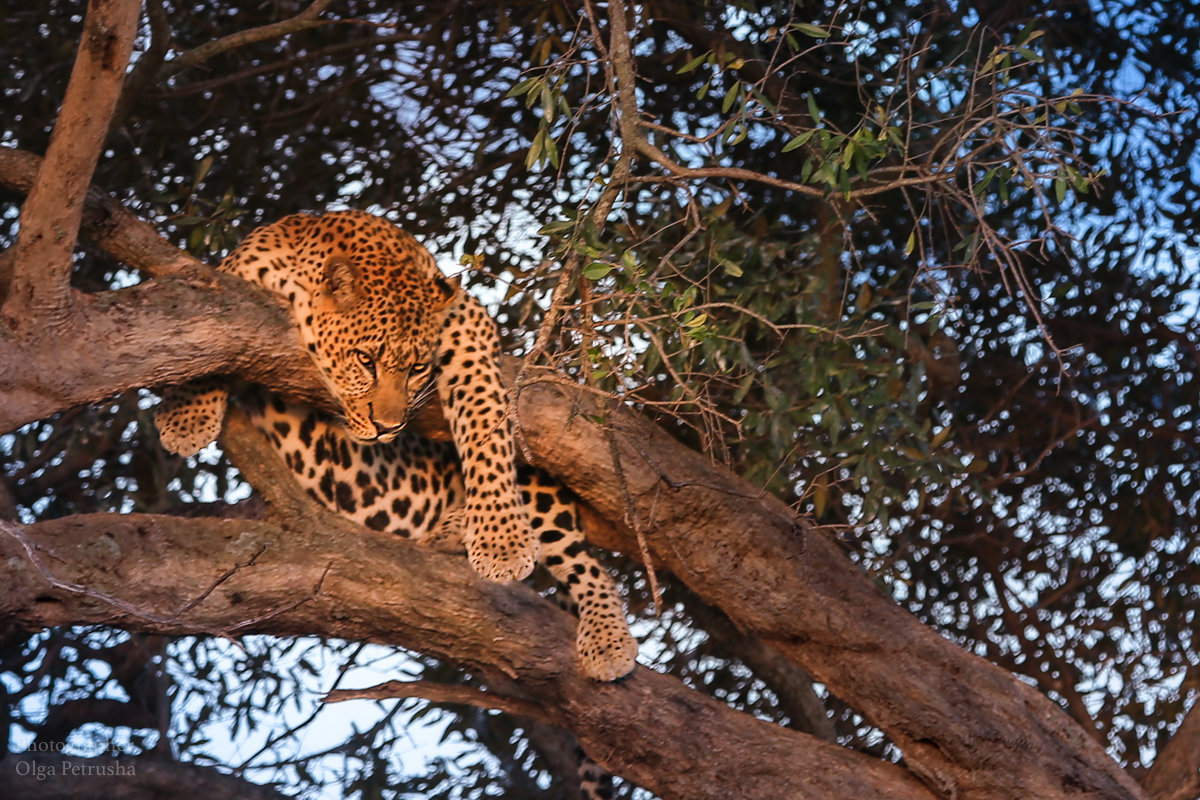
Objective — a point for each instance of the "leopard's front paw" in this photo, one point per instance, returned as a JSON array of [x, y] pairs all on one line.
[[501, 545], [604, 646]]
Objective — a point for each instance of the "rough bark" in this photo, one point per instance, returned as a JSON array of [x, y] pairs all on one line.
[[1176, 772], [188, 324], [40, 293]]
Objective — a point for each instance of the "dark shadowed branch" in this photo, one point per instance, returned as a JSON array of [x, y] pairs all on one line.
[[54, 776]]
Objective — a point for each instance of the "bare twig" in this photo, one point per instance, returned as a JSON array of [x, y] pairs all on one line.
[[631, 520]]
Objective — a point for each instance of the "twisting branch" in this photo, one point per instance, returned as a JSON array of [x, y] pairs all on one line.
[[824, 614], [383, 589]]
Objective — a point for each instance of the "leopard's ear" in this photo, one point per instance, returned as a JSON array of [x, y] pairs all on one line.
[[449, 289], [341, 281]]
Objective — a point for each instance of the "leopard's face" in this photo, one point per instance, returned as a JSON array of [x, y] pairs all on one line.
[[370, 304], [376, 348]]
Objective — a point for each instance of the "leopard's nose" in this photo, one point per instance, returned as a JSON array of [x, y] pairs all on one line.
[[386, 431]]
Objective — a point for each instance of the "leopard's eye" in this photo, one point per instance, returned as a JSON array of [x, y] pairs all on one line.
[[365, 360], [420, 368]]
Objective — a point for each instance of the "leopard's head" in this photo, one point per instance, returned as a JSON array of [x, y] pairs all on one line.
[[374, 335], [370, 304]]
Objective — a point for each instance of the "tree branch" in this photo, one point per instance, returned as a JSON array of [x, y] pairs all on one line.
[[108, 224], [779, 578], [383, 589], [165, 331], [308, 18], [40, 293], [965, 727], [442, 693]]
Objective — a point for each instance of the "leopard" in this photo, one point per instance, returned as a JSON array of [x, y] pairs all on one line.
[[387, 332]]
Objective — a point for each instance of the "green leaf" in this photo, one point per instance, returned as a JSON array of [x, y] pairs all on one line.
[[848, 154], [202, 169], [691, 65], [743, 389], [799, 140], [535, 149], [596, 270], [806, 170], [522, 87], [1028, 34], [810, 30], [730, 97], [1060, 189], [813, 111], [982, 186], [556, 227], [764, 100]]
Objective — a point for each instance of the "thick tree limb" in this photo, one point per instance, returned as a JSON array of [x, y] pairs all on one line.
[[191, 322], [968, 728], [323, 576], [159, 332], [40, 294]]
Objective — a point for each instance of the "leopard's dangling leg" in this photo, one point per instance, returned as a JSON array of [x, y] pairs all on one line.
[[605, 648]]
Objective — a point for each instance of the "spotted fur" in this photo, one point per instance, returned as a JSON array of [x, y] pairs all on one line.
[[385, 330]]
